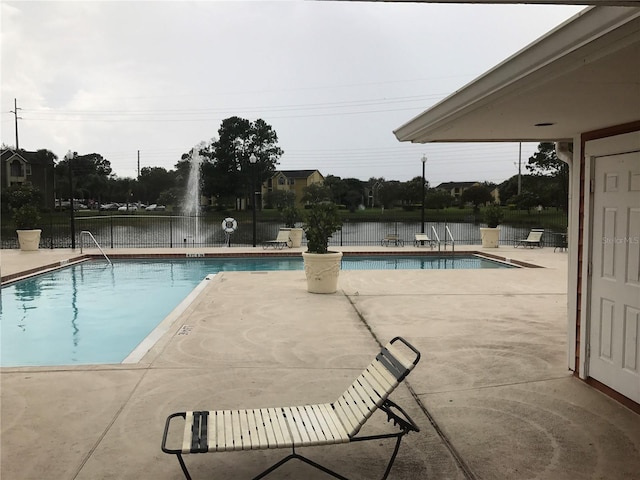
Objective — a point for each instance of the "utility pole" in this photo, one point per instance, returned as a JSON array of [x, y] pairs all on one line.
[[15, 114], [138, 164]]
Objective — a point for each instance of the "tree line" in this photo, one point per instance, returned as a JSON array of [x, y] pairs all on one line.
[[246, 154]]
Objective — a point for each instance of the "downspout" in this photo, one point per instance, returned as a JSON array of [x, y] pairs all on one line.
[[564, 152]]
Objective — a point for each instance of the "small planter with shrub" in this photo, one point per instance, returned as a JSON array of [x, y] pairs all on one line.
[[290, 216], [24, 200], [321, 266], [490, 235]]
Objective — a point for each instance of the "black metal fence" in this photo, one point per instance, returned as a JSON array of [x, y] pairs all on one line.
[[169, 231]]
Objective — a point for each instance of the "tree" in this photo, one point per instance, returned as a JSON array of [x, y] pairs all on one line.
[[316, 193], [90, 173], [348, 192], [229, 172], [438, 199], [412, 191], [389, 193], [545, 163], [153, 181], [477, 195], [280, 199]]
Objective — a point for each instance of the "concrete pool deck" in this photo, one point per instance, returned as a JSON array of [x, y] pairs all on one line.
[[492, 393]]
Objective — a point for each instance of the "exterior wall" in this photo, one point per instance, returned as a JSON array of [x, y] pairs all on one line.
[[11, 179], [295, 185], [575, 173]]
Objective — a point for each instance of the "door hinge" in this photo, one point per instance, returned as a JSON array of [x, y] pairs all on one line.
[[588, 350], [592, 185], [589, 268]]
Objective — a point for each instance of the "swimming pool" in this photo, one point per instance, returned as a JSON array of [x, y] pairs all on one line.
[[92, 313]]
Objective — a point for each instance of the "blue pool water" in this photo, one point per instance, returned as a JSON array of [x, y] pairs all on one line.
[[92, 313]]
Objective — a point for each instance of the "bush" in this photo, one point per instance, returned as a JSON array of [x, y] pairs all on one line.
[[290, 215], [24, 200], [322, 220], [493, 215], [26, 217]]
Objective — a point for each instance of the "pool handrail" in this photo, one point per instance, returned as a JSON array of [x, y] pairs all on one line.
[[87, 232], [435, 235], [448, 234]]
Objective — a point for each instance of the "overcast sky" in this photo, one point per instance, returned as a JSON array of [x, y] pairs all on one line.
[[334, 79]]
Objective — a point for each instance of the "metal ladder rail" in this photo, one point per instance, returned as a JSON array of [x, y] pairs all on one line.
[[435, 235], [448, 234], [87, 232]]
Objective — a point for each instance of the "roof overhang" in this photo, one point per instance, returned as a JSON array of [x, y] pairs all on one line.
[[580, 77], [610, 3]]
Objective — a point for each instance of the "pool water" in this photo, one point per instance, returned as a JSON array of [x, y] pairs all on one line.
[[92, 313]]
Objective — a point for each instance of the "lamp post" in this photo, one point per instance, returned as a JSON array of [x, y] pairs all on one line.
[[252, 161], [424, 161], [68, 157]]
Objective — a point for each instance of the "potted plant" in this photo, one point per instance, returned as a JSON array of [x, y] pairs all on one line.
[[490, 235], [26, 216], [290, 216], [321, 266]]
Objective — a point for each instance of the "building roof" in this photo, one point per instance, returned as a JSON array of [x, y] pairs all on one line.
[[33, 158], [295, 173], [450, 185], [580, 77], [8, 153]]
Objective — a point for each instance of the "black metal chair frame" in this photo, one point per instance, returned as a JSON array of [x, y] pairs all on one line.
[[392, 238], [404, 423]]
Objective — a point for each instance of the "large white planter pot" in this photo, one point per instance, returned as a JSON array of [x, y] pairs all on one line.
[[490, 237], [322, 270], [295, 235], [29, 240]]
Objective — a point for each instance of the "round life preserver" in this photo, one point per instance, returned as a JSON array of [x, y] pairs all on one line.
[[229, 225]]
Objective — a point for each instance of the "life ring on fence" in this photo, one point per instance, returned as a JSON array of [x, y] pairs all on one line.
[[229, 225]]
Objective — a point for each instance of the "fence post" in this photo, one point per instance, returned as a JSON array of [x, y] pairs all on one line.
[[171, 232], [111, 229]]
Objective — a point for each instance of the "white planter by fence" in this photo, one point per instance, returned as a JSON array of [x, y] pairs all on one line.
[[490, 237], [29, 240]]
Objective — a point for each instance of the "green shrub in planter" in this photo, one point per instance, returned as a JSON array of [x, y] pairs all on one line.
[[493, 215], [290, 215], [321, 221], [26, 217]]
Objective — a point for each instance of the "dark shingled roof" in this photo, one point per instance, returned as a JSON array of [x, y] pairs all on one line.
[[295, 173]]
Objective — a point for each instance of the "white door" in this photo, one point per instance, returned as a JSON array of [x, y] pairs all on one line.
[[614, 340]]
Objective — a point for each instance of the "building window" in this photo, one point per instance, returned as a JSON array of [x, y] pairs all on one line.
[[16, 169], [281, 180], [291, 181]]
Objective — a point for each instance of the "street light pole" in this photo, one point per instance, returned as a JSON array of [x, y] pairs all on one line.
[[68, 157], [424, 161], [252, 161]]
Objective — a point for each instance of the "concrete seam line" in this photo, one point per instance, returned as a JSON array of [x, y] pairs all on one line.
[[466, 470], [108, 427]]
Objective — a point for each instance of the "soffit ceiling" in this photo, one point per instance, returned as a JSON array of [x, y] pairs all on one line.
[[592, 84]]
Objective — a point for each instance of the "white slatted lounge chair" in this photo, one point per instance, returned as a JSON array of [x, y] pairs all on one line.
[[307, 425], [533, 240], [423, 238], [280, 242]]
